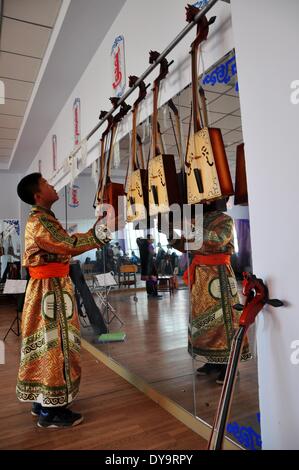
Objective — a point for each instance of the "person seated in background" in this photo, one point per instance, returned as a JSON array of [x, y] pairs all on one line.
[[166, 268], [117, 251], [174, 260], [12, 271], [117, 254], [109, 263], [99, 261], [125, 259], [134, 258], [160, 256]]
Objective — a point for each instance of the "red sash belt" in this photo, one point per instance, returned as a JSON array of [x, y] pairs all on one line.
[[46, 271], [208, 260]]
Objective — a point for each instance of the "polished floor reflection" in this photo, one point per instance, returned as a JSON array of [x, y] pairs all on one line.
[[156, 350], [116, 414]]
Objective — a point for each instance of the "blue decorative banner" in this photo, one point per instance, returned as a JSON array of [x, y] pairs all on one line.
[[223, 73], [245, 435], [200, 3], [73, 196], [118, 66], [77, 120]]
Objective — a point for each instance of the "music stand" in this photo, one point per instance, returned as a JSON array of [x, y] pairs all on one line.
[[105, 282], [14, 286]]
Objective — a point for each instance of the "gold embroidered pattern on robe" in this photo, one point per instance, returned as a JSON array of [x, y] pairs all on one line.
[[50, 370], [213, 295]]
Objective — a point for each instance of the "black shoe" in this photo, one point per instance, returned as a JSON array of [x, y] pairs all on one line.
[[206, 369], [36, 409], [155, 296], [61, 418]]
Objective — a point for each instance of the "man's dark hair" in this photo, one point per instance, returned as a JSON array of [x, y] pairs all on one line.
[[28, 187]]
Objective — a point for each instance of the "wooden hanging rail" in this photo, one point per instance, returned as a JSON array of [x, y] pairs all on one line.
[[147, 72]]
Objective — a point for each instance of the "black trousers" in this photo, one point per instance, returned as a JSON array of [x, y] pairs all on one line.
[[151, 287]]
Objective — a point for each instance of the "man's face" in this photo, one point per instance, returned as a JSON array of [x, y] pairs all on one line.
[[46, 193]]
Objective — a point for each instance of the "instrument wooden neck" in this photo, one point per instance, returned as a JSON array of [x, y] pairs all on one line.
[[109, 162], [135, 164], [205, 118], [140, 152], [202, 34], [177, 133], [178, 126], [195, 96], [100, 189], [134, 137], [102, 170], [155, 147], [161, 147]]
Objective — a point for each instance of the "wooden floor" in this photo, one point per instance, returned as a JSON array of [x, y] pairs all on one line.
[[117, 416], [156, 350]]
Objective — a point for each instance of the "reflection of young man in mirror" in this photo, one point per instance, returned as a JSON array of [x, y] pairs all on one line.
[[49, 373], [213, 285]]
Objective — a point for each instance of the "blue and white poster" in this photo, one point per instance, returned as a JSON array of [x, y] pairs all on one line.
[[118, 66]]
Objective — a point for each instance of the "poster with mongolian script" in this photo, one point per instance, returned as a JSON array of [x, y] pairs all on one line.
[[77, 121], [73, 196], [118, 66]]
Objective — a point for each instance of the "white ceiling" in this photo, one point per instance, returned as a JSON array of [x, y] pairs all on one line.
[[26, 29], [27, 26]]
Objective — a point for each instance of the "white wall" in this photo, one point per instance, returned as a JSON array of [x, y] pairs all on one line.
[[237, 212], [266, 38], [85, 210], [145, 26], [9, 201]]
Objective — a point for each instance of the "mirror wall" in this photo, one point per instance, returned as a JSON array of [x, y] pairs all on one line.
[[155, 347], [10, 249]]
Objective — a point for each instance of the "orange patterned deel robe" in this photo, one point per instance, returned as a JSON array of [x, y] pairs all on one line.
[[214, 320], [49, 370]]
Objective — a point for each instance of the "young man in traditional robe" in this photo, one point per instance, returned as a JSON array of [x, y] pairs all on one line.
[[49, 373], [214, 292]]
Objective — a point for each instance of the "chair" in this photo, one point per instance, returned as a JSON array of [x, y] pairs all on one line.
[[103, 284], [166, 283], [127, 275]]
